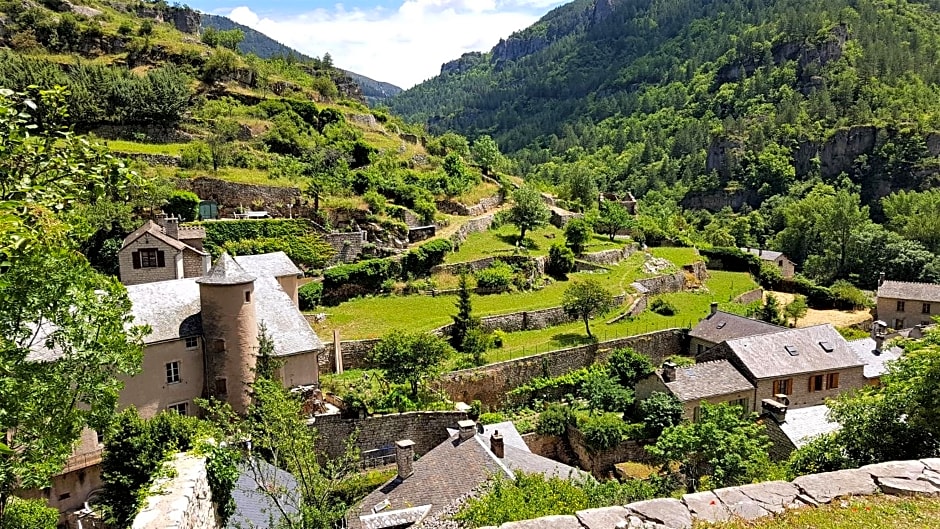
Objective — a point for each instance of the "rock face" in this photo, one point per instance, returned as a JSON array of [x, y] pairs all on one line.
[[602, 10], [803, 53], [518, 46], [462, 64], [186, 20]]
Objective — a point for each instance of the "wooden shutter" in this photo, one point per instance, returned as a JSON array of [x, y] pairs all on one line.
[[776, 387], [135, 257], [810, 387], [161, 260], [833, 380]]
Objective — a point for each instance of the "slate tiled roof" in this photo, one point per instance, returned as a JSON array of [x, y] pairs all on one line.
[[172, 310], [707, 379], [766, 356], [154, 230], [189, 233], [448, 472], [766, 255], [254, 508], [275, 264], [226, 271], [875, 364], [802, 424], [722, 326], [913, 291]]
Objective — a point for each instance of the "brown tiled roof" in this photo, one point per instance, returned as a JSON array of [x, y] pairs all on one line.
[[794, 351], [708, 379], [722, 326], [912, 291]]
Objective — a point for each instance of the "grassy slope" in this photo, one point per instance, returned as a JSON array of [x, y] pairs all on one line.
[[502, 241], [876, 512]]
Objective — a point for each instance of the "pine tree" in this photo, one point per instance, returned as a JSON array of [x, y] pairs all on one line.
[[463, 320]]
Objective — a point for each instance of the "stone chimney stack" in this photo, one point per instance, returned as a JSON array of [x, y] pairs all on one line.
[[404, 457], [467, 429], [171, 226], [881, 278], [714, 307], [669, 371], [776, 410], [879, 331], [160, 219], [496, 445]]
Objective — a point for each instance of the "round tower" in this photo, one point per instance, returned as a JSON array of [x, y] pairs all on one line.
[[230, 330]]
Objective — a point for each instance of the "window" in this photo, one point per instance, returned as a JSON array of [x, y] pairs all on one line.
[[699, 349], [99, 438], [742, 403], [247, 296], [816, 383], [148, 258], [220, 387], [780, 263], [925, 309], [832, 380], [180, 407], [191, 342], [900, 306], [173, 373], [783, 386], [898, 323]]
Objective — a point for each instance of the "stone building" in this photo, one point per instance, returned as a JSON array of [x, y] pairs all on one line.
[[782, 262], [792, 429], [161, 251], [903, 305], [715, 382], [720, 326]]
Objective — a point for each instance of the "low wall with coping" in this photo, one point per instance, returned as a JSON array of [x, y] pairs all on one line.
[[750, 296], [183, 501]]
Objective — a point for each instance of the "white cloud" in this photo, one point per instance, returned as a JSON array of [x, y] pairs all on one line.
[[403, 46]]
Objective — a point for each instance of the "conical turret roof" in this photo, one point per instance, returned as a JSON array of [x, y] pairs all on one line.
[[226, 272]]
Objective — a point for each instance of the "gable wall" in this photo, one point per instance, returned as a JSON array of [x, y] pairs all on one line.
[[132, 276]]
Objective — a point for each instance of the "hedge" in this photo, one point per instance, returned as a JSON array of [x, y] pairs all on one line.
[[220, 232], [345, 282], [418, 262], [306, 251]]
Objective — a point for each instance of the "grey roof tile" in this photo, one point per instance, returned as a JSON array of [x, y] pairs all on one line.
[[766, 255], [254, 508], [765, 355], [875, 364], [153, 229], [802, 424], [912, 291], [707, 379], [722, 326], [275, 264], [226, 271]]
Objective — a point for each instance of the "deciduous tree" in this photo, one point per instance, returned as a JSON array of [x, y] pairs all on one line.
[[486, 154], [614, 217], [528, 210], [410, 357], [586, 298]]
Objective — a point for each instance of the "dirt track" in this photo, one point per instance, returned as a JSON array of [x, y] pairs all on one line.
[[838, 318]]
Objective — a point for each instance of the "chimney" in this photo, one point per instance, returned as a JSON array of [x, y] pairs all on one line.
[[879, 333], [776, 410], [879, 344], [669, 372], [404, 457], [160, 218], [714, 307], [496, 445], [881, 278], [171, 227], [467, 429]]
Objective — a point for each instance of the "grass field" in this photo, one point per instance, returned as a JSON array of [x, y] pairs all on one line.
[[502, 241], [876, 512], [133, 147]]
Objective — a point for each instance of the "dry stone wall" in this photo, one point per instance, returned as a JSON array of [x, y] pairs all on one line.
[[751, 502], [348, 246], [456, 208], [230, 195], [671, 282], [600, 462], [750, 296], [183, 501], [426, 428], [490, 383]]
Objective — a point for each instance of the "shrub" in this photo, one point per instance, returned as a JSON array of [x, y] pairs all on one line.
[[309, 295], [475, 343], [629, 366], [492, 418], [219, 233], [196, 155], [418, 262], [145, 29], [602, 432], [29, 514], [848, 296], [375, 201], [663, 307], [560, 261], [658, 412], [306, 251], [824, 453], [497, 276], [183, 205], [577, 234], [476, 408], [365, 276], [605, 394], [554, 420]]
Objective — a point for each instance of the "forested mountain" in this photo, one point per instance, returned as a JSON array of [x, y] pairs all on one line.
[[706, 96], [265, 47]]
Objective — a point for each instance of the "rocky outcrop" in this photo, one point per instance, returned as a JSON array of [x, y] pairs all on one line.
[[185, 19], [518, 46], [462, 64], [86, 11], [602, 10], [719, 199]]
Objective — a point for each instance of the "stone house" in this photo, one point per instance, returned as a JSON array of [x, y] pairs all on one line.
[[903, 305], [162, 251], [204, 343], [715, 382], [781, 261], [801, 367], [720, 326], [429, 486]]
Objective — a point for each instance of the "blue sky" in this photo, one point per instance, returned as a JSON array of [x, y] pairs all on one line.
[[399, 41]]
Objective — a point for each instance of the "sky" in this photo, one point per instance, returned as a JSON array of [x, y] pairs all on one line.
[[402, 42]]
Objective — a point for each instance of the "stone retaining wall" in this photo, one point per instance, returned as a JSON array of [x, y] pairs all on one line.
[[671, 282], [601, 462], [751, 502], [230, 195], [750, 296], [183, 501], [456, 208], [426, 428], [348, 246], [490, 383], [477, 225], [610, 257]]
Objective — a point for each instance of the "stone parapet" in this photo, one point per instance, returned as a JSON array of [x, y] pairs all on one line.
[[183, 501]]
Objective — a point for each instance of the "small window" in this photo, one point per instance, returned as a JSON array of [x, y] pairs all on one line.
[[721, 325], [173, 373], [697, 414], [191, 342], [63, 497], [826, 347], [925, 309], [791, 350], [900, 306], [832, 380], [220, 387], [780, 263], [816, 383], [99, 437], [899, 323], [742, 403], [699, 349], [247, 296], [181, 407], [783, 386]]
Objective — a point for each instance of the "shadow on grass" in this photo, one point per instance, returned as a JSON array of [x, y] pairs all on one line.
[[570, 339]]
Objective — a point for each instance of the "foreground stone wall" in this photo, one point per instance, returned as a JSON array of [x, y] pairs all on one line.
[[183, 501], [490, 383], [426, 428], [751, 502]]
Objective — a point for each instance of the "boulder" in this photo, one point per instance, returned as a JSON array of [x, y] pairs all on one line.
[[825, 487], [707, 507], [896, 469], [666, 511], [741, 505], [907, 487], [603, 518]]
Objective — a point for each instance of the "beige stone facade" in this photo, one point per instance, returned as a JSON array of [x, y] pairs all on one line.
[[156, 261], [906, 313], [810, 389]]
